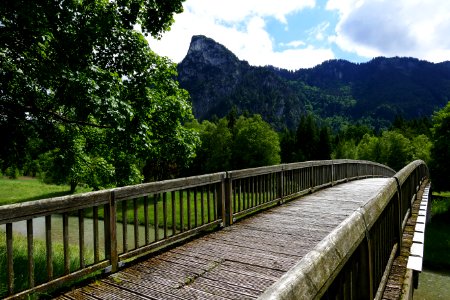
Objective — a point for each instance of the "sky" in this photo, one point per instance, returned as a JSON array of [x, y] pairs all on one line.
[[294, 34]]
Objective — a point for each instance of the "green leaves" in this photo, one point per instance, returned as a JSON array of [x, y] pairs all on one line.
[[77, 74], [440, 152]]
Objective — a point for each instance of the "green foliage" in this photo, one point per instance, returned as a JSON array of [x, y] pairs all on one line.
[[84, 99], [214, 155], [440, 151], [309, 142], [250, 142], [256, 144], [393, 149], [12, 172]]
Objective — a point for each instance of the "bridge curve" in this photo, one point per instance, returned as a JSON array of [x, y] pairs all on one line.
[[311, 247]]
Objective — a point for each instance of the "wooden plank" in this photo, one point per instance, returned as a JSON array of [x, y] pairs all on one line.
[[48, 247], [174, 219], [66, 243], [30, 248], [32, 209], [155, 216], [96, 234], [146, 221], [135, 223], [9, 258], [182, 211], [140, 190], [81, 237], [124, 226], [165, 214]]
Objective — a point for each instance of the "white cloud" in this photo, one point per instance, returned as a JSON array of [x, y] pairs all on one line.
[[394, 28], [241, 27], [293, 44], [318, 32]]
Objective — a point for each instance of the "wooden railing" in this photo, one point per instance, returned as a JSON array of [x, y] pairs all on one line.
[[127, 222], [354, 260]]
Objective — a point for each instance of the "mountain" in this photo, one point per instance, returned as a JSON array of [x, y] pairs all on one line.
[[376, 91]]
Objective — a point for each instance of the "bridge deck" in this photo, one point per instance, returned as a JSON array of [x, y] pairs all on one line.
[[240, 261]]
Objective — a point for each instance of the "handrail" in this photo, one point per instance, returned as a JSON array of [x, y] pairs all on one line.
[[353, 260], [141, 218]]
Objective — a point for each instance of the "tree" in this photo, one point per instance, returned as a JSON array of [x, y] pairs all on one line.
[[440, 151], [256, 144], [78, 69], [214, 153], [307, 138]]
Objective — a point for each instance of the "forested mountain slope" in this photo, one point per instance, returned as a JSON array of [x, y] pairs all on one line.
[[374, 92]]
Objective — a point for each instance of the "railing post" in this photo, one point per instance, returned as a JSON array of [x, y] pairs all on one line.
[[333, 176], [398, 213], [228, 201], [225, 207], [110, 232], [280, 186]]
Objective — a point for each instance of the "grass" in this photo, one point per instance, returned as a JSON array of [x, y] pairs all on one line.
[[20, 258], [437, 234], [28, 189]]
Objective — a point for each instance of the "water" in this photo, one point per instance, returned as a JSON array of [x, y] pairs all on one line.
[[433, 285], [57, 232]]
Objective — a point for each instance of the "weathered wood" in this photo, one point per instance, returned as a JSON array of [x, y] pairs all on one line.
[[124, 226], [135, 223], [174, 218], [59, 282], [21, 211], [195, 208], [48, 247], [155, 216], [112, 233], [146, 221], [165, 215], [9, 258], [30, 250], [96, 234], [81, 237], [66, 243], [202, 205], [182, 211], [140, 190]]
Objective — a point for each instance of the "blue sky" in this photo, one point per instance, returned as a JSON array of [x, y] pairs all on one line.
[[295, 34]]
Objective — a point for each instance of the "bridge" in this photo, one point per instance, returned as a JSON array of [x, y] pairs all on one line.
[[324, 229]]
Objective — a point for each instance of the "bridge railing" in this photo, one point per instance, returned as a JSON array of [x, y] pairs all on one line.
[[99, 231], [354, 260]]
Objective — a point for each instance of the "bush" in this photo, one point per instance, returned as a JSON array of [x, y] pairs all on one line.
[[12, 172]]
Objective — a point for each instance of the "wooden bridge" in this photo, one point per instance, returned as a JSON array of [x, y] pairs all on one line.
[[349, 236]]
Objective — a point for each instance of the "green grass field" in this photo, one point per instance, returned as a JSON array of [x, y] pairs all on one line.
[[27, 189]]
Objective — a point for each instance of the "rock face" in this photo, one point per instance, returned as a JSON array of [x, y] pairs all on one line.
[[210, 72], [217, 80], [376, 91]]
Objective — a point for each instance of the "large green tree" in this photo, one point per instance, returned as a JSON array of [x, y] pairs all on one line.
[[440, 151], [77, 76], [256, 144]]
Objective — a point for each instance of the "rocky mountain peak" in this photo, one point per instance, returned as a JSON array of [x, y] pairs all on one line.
[[204, 50]]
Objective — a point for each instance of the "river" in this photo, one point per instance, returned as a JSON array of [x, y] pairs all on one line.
[[433, 285], [57, 231]]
